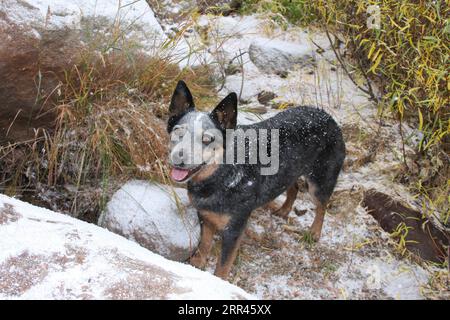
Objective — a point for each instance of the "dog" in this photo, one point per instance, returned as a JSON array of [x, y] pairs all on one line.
[[310, 145]]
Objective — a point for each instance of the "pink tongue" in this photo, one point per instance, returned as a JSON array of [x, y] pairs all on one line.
[[178, 174]]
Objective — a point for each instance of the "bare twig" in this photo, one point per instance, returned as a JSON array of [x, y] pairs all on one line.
[[403, 142], [241, 62], [344, 67]]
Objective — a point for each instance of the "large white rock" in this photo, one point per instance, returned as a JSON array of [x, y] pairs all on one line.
[[277, 56], [56, 14], [125, 19], [156, 216], [47, 255]]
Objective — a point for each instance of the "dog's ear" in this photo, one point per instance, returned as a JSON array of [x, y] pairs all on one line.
[[181, 103], [225, 114], [182, 100]]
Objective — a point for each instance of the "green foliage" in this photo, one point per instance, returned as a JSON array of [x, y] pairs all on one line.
[[300, 12], [408, 57]]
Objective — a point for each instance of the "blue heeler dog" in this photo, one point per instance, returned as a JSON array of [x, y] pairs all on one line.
[[303, 141]]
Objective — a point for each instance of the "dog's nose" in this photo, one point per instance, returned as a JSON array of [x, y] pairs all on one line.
[[177, 158]]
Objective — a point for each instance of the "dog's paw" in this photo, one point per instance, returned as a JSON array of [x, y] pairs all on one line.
[[198, 261], [315, 234], [282, 212]]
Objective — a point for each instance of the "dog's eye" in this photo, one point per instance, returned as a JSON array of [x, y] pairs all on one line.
[[179, 131], [207, 139]]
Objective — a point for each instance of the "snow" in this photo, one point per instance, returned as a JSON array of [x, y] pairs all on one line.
[[295, 49], [398, 280], [46, 255], [130, 20], [276, 56], [319, 84], [60, 14]]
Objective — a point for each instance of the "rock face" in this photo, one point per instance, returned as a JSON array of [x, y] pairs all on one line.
[[151, 215], [264, 97], [279, 57], [46, 255], [30, 68], [423, 238], [40, 39]]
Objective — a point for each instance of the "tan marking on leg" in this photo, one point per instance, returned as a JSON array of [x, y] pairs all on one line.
[[223, 270], [316, 227], [205, 172], [200, 257], [212, 222], [218, 220], [287, 205]]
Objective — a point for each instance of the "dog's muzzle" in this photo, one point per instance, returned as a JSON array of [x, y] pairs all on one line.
[[182, 174]]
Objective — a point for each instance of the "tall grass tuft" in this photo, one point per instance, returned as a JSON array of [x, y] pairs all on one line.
[[110, 111]]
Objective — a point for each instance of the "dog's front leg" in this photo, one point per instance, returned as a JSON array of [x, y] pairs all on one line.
[[199, 259], [231, 240]]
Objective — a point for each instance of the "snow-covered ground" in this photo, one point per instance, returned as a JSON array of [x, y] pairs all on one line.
[[47, 255], [60, 14], [129, 22]]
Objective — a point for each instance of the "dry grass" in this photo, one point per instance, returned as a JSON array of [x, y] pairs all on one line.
[[109, 114]]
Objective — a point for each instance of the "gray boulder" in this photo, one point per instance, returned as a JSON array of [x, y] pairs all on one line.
[[279, 57], [155, 216]]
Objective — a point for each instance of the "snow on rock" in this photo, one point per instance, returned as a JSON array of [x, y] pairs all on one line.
[[276, 56], [106, 23], [47, 255], [53, 14], [151, 215]]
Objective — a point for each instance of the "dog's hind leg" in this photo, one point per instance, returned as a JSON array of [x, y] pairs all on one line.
[[290, 199], [321, 204], [320, 186], [322, 180]]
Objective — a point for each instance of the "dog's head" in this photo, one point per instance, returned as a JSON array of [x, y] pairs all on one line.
[[197, 138]]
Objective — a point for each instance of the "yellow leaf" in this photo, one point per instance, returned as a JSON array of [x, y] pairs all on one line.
[[372, 49], [363, 41], [375, 65], [375, 56], [420, 120]]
